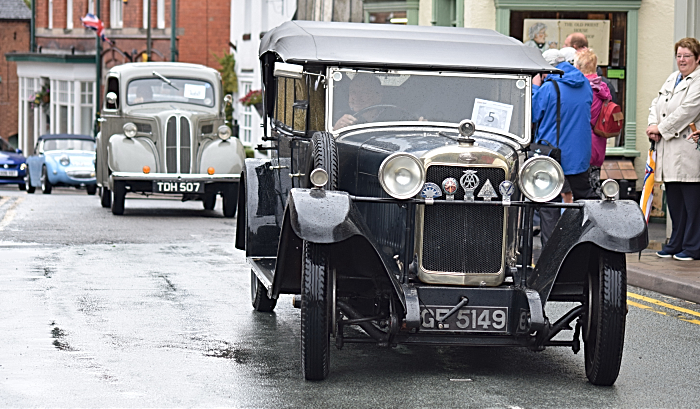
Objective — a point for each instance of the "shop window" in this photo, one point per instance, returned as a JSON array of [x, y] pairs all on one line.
[[69, 14], [247, 127], [606, 32], [392, 12], [86, 108]]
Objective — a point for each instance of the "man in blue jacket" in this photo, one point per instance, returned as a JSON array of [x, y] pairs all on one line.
[[575, 129]]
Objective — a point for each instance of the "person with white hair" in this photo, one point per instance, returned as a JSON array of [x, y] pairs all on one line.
[[572, 127]]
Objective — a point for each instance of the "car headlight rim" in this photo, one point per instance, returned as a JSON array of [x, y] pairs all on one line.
[[64, 160], [610, 189], [401, 165], [545, 161], [224, 132], [130, 129]]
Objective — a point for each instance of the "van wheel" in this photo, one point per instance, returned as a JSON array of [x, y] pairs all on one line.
[[315, 312], [230, 200], [119, 194], [258, 293], [209, 201], [604, 322], [105, 197], [45, 184]]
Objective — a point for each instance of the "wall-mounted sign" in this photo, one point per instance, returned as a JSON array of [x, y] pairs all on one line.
[[550, 33]]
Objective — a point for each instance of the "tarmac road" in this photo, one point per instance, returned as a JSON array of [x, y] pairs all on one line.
[[152, 309]]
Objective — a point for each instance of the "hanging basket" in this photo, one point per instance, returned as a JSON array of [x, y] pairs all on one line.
[[259, 108]]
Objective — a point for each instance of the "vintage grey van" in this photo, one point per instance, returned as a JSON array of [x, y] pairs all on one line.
[[163, 133]]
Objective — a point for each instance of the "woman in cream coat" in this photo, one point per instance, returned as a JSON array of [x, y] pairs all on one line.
[[677, 160]]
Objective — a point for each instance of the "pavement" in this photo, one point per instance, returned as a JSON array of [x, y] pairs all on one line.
[[680, 279]]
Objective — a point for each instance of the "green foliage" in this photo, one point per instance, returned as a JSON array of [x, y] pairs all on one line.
[[249, 152], [228, 73], [28, 3]]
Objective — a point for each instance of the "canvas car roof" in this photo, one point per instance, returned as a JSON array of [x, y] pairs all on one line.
[[392, 46], [67, 136]]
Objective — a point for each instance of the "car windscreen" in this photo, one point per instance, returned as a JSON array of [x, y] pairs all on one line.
[[493, 102], [6, 147], [68, 145], [150, 90]]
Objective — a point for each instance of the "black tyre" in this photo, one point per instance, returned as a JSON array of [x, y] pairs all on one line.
[[316, 306], [45, 184], [230, 200], [209, 201], [119, 196], [91, 189], [326, 157], [258, 294], [27, 183], [105, 197], [604, 323]]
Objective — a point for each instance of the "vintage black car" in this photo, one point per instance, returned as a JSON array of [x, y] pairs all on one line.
[[399, 199]]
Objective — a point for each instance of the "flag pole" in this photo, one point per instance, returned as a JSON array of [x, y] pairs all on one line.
[[98, 72]]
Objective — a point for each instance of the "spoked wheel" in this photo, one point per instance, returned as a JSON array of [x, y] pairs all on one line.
[[118, 199], [258, 295], [230, 200], [28, 183], [105, 197], [604, 323], [45, 184], [316, 310], [91, 189]]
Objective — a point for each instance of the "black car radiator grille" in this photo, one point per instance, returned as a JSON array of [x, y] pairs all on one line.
[[465, 239], [177, 145]]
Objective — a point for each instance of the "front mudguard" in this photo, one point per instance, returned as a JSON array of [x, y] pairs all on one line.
[[323, 217], [617, 226]]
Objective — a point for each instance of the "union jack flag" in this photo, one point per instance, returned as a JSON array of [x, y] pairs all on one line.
[[91, 21]]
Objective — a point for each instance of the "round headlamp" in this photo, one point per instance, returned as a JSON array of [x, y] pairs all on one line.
[[23, 166], [130, 129], [401, 175], [610, 189], [224, 132], [541, 179], [64, 160]]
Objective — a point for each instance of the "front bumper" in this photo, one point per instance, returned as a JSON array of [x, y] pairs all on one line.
[[142, 182]]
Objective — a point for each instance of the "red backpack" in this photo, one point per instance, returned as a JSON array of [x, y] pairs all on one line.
[[609, 122]]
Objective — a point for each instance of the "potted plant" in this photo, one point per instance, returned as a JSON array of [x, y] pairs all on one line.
[[254, 98], [41, 98]]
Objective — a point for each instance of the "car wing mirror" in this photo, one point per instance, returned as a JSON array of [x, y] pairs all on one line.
[[288, 70], [18, 151]]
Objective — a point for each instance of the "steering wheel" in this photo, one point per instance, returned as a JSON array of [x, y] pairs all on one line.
[[382, 107]]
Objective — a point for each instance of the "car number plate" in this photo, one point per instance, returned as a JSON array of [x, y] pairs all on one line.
[[8, 173], [466, 319], [177, 187]]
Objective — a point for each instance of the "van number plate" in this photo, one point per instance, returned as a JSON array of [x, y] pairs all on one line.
[[177, 187], [467, 319]]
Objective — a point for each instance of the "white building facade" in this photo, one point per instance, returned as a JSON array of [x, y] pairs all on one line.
[[250, 20]]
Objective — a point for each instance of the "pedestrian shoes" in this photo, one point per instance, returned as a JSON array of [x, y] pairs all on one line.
[[683, 257], [663, 254]]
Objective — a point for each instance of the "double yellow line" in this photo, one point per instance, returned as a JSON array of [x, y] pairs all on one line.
[[662, 304]]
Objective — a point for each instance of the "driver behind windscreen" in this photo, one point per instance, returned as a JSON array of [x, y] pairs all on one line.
[[365, 91], [144, 93]]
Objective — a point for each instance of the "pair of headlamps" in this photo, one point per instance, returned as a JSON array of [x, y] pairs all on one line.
[[130, 130], [402, 176]]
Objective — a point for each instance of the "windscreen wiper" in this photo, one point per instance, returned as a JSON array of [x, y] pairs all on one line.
[[165, 80]]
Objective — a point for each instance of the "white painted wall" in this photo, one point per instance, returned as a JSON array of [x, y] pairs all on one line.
[[480, 14], [253, 17]]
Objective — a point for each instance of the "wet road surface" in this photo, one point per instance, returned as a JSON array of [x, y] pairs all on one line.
[[152, 309]]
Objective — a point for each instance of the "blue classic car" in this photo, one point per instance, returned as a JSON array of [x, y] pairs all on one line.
[[12, 165], [62, 160]]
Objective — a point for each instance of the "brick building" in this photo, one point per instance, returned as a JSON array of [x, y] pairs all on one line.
[[62, 62], [14, 37]]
